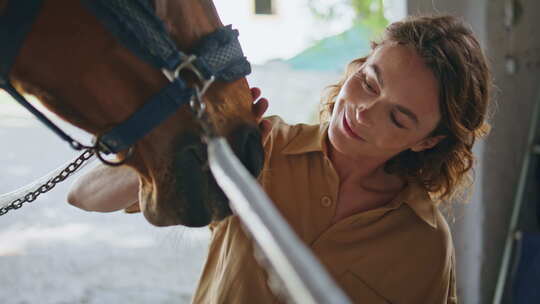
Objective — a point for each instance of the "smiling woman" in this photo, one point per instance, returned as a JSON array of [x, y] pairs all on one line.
[[422, 59], [362, 188]]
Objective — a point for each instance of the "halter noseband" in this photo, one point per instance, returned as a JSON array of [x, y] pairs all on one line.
[[217, 56]]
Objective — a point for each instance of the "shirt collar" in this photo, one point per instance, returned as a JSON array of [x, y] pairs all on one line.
[[418, 199], [313, 138]]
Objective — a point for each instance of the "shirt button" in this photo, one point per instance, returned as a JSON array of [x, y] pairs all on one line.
[[326, 201]]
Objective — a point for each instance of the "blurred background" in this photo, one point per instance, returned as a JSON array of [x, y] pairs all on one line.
[[51, 252]]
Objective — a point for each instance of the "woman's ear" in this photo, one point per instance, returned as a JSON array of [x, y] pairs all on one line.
[[427, 143]]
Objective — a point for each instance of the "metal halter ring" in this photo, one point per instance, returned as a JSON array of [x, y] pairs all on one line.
[[197, 103], [100, 149], [197, 106]]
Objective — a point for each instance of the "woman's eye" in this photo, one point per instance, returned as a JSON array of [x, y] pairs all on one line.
[[367, 85], [394, 120]]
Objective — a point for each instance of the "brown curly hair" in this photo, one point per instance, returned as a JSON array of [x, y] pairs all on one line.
[[449, 48]]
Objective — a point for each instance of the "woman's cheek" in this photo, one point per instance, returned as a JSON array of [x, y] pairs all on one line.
[[390, 141]]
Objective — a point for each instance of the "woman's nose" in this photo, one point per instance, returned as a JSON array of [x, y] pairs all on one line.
[[363, 115]]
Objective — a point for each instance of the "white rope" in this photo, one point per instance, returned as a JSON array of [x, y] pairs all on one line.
[[7, 198]]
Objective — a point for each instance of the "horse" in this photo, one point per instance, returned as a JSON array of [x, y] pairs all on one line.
[[77, 69]]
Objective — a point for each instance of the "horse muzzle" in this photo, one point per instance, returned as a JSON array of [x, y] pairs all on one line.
[[247, 145], [188, 194]]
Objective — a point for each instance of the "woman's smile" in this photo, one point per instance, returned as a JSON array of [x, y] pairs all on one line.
[[349, 130]]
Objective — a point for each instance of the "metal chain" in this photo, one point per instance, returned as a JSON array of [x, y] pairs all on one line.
[[51, 183], [198, 106]]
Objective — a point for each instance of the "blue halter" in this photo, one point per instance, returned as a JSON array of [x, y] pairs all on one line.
[[135, 25]]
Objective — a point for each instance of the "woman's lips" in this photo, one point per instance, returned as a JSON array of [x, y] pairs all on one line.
[[349, 130]]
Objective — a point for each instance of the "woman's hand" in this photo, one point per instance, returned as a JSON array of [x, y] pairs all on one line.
[[260, 105]]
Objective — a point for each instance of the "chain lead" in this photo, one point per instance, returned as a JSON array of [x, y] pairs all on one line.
[[51, 183]]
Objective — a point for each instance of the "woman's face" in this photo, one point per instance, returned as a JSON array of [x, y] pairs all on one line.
[[390, 104]]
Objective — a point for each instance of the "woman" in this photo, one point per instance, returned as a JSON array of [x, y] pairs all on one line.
[[362, 189]]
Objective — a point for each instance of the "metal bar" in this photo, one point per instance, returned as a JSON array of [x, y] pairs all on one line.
[[518, 201], [305, 278]]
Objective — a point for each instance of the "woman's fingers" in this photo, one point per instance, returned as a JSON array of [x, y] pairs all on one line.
[[259, 107], [255, 93]]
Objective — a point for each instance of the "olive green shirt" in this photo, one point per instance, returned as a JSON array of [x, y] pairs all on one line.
[[399, 253]]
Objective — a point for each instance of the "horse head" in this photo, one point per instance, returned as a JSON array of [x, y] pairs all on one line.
[[78, 70]]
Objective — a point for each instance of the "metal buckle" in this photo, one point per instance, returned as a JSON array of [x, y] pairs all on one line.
[[187, 63], [197, 104]]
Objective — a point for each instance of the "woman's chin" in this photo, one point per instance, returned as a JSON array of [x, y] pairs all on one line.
[[338, 143]]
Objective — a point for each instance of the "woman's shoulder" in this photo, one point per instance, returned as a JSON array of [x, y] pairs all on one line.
[[429, 243], [430, 223], [428, 231]]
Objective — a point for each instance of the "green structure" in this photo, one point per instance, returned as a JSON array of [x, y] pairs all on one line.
[[333, 53]]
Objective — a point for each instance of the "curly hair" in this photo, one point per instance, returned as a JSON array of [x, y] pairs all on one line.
[[448, 47]]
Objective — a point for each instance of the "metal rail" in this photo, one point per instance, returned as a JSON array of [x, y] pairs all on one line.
[[509, 249], [305, 278]]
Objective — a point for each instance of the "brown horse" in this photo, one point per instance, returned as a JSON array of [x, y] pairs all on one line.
[[79, 71]]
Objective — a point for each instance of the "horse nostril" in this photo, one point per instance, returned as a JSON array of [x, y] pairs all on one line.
[[248, 147]]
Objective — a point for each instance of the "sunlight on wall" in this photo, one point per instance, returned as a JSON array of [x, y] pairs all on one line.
[[291, 29]]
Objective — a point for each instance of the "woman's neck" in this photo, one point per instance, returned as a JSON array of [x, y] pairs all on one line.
[[367, 172]]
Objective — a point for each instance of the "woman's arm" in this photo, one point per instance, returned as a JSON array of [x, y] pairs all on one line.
[[106, 189]]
